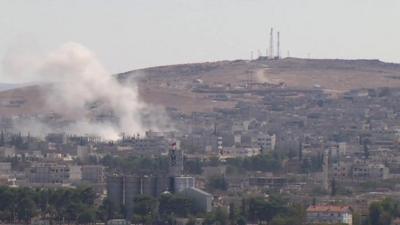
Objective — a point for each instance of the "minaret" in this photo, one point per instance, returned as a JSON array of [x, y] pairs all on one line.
[[175, 161], [175, 156]]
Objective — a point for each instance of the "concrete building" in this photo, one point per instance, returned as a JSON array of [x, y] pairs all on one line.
[[6, 152], [115, 190], [49, 173], [183, 182], [266, 142], [365, 171], [82, 152], [329, 214], [93, 173], [267, 181], [75, 173], [118, 222], [341, 171], [5, 167], [234, 152], [202, 199], [122, 190]]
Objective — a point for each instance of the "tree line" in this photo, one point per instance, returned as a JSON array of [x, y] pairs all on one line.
[[79, 206], [60, 205]]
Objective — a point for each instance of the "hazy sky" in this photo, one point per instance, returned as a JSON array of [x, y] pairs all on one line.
[[128, 34]]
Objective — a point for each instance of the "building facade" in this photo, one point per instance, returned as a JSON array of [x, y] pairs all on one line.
[[329, 214]]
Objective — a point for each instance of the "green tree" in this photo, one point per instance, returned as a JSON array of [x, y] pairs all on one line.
[[88, 215], [145, 209], [176, 204], [26, 209], [217, 183], [218, 216]]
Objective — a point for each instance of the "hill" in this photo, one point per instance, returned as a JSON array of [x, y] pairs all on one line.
[[175, 86]]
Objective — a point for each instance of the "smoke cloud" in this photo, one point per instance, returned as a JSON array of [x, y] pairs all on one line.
[[80, 89]]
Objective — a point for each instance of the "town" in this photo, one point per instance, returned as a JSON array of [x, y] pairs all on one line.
[[199, 112], [280, 155]]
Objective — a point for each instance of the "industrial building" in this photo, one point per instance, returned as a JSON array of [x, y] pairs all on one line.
[[202, 199]]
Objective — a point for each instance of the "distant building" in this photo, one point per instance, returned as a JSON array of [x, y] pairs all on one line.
[[202, 199], [115, 190], [5, 167], [234, 152], [57, 138], [365, 171], [264, 181], [122, 190], [118, 222], [210, 171], [329, 214], [49, 173], [183, 182], [93, 173], [6, 152], [75, 173], [266, 142], [341, 170], [83, 152]]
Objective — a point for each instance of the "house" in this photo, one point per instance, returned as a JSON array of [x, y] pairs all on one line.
[[329, 214]]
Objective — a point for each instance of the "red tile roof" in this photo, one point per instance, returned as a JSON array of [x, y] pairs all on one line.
[[328, 208]]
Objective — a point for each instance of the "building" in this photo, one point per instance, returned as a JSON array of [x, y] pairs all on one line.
[[82, 152], [341, 171], [93, 173], [183, 182], [366, 171], [329, 214], [49, 173], [238, 152], [75, 173], [6, 152], [118, 222], [122, 190], [202, 199], [5, 167], [267, 181], [115, 190], [266, 142]]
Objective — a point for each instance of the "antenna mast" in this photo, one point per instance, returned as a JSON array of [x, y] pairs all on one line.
[[271, 44], [278, 53]]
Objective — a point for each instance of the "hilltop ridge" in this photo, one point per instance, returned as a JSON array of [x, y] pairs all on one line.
[[173, 86]]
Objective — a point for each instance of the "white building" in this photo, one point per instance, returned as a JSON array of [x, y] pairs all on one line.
[[181, 183], [202, 199], [266, 142], [366, 170], [329, 214]]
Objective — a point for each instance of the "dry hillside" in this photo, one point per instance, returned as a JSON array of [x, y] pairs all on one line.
[[172, 86]]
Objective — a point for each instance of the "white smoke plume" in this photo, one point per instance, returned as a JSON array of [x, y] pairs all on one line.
[[81, 89]]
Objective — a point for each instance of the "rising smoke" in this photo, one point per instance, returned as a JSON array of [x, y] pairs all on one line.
[[80, 89]]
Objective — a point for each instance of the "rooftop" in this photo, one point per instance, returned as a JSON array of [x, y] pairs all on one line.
[[329, 208]]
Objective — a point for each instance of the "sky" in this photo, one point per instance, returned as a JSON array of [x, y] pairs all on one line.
[[131, 34]]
